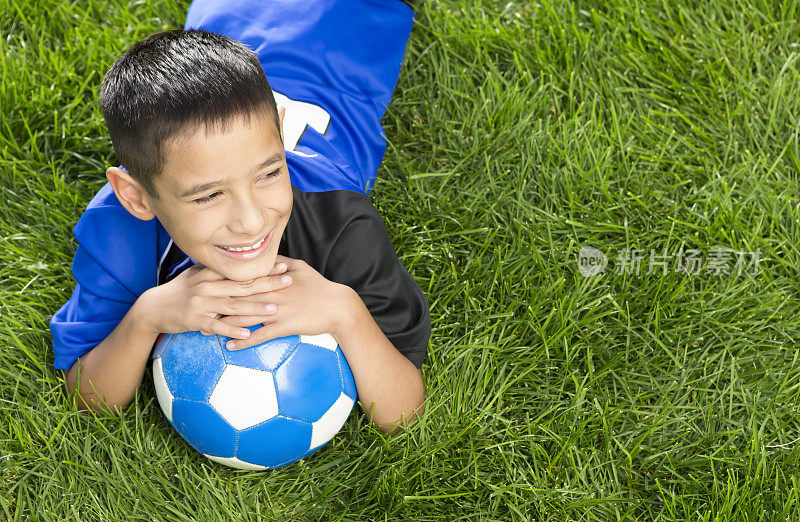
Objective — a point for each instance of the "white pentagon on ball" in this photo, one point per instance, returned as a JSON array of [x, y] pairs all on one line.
[[244, 396]]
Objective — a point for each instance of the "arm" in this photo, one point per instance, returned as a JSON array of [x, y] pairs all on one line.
[[390, 387], [112, 371]]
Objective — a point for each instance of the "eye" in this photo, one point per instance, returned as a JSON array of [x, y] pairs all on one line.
[[271, 174], [208, 198]]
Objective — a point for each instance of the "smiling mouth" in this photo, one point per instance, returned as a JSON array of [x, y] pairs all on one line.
[[255, 251], [245, 249]]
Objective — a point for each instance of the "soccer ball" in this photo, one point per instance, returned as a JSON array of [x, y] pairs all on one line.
[[258, 408]]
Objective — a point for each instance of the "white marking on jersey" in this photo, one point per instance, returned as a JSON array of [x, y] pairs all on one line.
[[300, 115]]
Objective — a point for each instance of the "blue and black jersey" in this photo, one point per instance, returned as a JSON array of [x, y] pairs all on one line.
[[334, 66]]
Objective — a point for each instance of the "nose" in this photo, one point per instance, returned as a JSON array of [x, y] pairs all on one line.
[[247, 218]]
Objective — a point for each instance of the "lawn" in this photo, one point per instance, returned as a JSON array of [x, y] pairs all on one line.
[[523, 137]]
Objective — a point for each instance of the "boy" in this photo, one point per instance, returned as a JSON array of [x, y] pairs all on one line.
[[229, 212]]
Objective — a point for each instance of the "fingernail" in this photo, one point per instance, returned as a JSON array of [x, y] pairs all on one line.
[[286, 279], [271, 308], [230, 345], [244, 334], [281, 266]]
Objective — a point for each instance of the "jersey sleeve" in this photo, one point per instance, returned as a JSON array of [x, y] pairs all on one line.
[[113, 265], [363, 258]]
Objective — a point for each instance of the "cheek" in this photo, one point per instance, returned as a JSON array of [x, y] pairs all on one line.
[[197, 228], [287, 200], [178, 226]]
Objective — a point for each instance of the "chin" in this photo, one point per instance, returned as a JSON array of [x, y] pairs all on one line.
[[250, 269]]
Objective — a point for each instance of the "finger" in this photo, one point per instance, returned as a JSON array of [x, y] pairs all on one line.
[[259, 285], [283, 259], [278, 268], [217, 316], [246, 320], [265, 333], [216, 326], [232, 306]]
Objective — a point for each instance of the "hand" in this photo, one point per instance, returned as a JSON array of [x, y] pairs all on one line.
[[197, 298], [311, 305]]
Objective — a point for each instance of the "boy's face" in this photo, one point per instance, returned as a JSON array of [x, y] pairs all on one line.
[[252, 201]]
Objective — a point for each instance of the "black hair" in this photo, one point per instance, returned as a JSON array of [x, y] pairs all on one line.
[[174, 81]]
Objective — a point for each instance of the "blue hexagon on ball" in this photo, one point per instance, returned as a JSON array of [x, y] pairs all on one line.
[[262, 407]]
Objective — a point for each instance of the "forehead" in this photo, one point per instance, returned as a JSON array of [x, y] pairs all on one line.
[[206, 153]]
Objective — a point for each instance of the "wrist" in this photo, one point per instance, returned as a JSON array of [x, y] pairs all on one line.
[[142, 311], [349, 309]]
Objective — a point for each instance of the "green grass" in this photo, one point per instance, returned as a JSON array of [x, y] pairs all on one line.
[[519, 132]]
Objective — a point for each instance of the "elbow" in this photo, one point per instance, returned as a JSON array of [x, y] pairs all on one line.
[[406, 419], [93, 405], [394, 428], [89, 402]]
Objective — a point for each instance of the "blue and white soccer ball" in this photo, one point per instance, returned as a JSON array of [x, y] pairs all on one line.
[[258, 408]]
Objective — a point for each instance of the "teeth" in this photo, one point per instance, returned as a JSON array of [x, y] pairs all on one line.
[[244, 249]]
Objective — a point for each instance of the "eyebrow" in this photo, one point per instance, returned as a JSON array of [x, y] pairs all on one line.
[[202, 187]]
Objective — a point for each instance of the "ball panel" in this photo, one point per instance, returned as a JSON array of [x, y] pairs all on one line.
[[276, 442], [265, 356], [326, 341], [162, 390], [203, 428], [244, 396], [162, 341], [329, 425], [300, 457], [308, 383], [192, 365], [348, 383], [235, 463]]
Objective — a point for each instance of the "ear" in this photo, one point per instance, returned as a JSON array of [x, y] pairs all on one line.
[[130, 194], [281, 114]]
